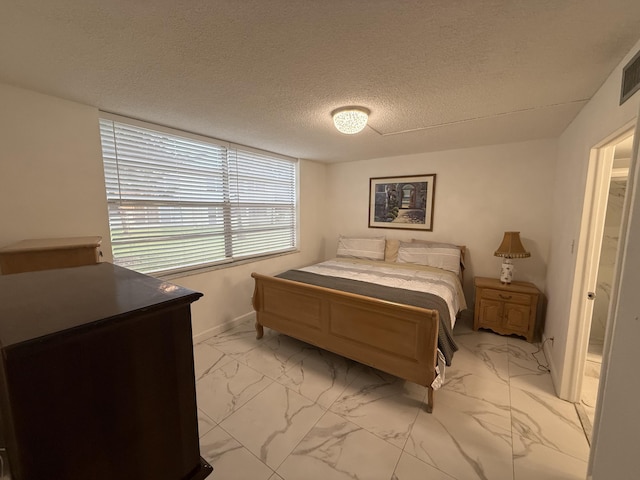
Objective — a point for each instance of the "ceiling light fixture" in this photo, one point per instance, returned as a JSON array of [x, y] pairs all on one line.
[[350, 120]]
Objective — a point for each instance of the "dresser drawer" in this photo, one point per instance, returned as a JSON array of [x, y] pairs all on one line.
[[511, 297]]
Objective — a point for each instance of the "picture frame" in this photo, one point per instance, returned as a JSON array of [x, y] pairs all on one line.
[[402, 202]]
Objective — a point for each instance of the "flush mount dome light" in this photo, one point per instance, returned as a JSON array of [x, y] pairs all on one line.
[[350, 120]]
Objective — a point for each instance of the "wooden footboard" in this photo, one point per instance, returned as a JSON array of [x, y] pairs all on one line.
[[395, 338]]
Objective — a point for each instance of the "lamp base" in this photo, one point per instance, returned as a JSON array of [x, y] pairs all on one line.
[[506, 273]]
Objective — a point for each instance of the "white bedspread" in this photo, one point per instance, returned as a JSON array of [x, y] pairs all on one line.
[[406, 276]]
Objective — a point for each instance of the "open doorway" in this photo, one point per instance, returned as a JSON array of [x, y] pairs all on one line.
[[611, 201]]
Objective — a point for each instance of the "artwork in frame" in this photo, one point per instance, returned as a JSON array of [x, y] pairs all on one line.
[[402, 202]]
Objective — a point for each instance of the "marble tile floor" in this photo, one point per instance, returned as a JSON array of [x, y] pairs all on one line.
[[280, 409]]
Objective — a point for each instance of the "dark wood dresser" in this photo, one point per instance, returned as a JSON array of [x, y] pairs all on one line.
[[97, 377]]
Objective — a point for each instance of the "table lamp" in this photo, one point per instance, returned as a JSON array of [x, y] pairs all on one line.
[[511, 247]]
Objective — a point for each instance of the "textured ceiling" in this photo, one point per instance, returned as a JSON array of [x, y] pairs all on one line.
[[436, 75]]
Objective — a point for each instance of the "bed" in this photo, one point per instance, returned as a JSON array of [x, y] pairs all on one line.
[[391, 310]]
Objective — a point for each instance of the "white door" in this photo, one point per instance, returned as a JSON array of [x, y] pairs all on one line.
[[616, 436], [593, 220]]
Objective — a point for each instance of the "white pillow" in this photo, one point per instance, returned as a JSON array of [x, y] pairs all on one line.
[[442, 256], [370, 248], [391, 250], [440, 244]]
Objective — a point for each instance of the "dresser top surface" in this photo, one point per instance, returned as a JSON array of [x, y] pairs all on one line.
[[35, 305], [51, 244], [523, 287]]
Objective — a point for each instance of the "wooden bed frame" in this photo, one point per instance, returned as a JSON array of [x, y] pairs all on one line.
[[398, 339]]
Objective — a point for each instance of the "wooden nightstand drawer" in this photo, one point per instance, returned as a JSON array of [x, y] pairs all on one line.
[[511, 297]]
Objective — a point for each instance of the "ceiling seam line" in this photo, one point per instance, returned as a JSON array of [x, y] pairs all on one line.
[[446, 124]]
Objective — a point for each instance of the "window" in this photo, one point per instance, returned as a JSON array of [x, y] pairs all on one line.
[[179, 201]]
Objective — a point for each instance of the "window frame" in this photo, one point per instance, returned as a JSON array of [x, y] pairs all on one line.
[[227, 204]]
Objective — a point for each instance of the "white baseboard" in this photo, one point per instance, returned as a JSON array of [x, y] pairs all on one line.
[[213, 331], [547, 353]]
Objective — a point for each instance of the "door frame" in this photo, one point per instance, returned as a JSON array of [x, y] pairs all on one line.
[[619, 387], [587, 260]]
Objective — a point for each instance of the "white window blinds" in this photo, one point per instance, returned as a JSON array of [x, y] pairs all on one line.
[[182, 202]]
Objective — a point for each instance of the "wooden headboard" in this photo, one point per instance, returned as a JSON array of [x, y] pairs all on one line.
[[463, 251]]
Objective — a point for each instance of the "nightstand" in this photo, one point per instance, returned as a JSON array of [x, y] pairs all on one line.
[[506, 308]]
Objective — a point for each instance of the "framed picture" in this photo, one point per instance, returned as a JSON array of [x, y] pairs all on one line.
[[402, 202]]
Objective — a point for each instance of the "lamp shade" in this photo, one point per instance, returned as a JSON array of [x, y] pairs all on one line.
[[511, 247], [350, 120]]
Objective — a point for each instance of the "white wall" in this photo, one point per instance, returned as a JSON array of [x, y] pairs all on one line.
[[51, 179], [52, 185], [616, 429], [601, 118], [480, 193]]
